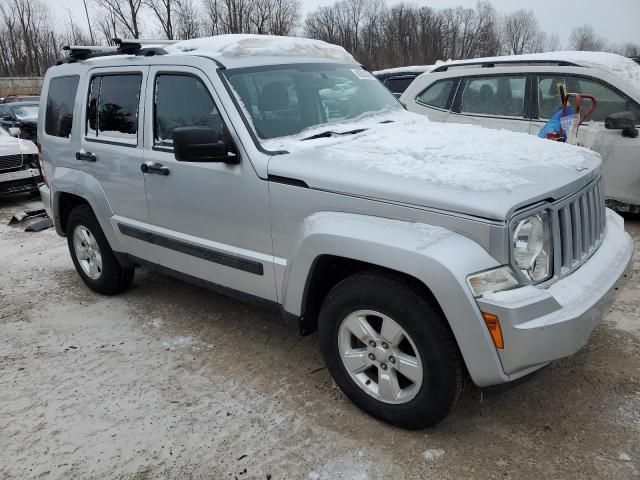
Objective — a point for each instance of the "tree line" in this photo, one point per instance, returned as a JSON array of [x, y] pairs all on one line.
[[377, 34]]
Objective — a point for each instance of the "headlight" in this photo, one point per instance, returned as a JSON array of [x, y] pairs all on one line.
[[532, 247], [489, 281]]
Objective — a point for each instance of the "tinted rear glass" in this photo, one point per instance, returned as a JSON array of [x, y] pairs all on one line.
[[112, 110], [60, 101]]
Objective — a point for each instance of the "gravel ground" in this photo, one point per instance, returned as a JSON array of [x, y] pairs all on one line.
[[171, 381]]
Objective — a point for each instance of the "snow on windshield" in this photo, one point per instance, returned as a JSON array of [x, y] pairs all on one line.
[[242, 45], [408, 145]]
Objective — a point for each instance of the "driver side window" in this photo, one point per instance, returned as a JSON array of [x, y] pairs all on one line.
[[182, 101]]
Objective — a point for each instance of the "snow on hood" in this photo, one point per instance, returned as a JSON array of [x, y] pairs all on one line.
[[617, 65], [243, 45], [466, 157], [11, 146]]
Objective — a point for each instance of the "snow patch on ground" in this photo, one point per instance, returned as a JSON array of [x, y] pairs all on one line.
[[243, 45], [624, 457], [432, 454], [410, 146]]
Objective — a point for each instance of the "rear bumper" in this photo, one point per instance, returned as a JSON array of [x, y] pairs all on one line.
[[45, 195], [540, 325]]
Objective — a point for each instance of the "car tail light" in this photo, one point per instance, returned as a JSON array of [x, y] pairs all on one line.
[[41, 163]]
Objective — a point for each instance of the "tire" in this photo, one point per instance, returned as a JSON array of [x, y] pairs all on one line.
[[108, 277], [379, 297]]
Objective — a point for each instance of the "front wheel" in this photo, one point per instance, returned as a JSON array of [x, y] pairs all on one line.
[[390, 350]]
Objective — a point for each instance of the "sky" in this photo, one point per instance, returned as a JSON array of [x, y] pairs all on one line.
[[615, 20]]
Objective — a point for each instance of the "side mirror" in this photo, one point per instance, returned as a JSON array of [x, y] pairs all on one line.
[[202, 144], [624, 121], [15, 132], [620, 121]]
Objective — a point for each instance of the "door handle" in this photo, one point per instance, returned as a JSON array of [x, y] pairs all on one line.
[[155, 168], [85, 156]]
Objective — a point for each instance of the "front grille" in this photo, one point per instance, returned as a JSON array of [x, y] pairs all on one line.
[[8, 162], [578, 225]]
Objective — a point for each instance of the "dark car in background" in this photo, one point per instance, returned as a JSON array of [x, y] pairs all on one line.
[[23, 115], [398, 79], [20, 98]]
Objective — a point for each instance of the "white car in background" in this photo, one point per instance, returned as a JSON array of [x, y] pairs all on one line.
[[520, 93], [19, 163]]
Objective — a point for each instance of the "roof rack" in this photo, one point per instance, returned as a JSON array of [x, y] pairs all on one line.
[[493, 63], [122, 47]]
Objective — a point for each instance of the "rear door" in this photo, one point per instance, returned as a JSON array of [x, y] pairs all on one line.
[[111, 146], [493, 101]]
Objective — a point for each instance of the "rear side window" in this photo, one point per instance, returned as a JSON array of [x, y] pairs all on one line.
[[182, 101], [437, 95], [112, 109], [502, 96], [60, 101]]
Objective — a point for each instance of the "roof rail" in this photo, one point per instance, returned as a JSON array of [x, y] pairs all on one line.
[[122, 47], [126, 45], [493, 63]]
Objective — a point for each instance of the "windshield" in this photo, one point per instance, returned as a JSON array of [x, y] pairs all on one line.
[[25, 111], [286, 99]]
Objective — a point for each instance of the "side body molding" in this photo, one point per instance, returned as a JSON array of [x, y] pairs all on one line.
[[439, 258]]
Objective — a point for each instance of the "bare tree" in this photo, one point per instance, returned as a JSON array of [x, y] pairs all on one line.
[[188, 20], [163, 11], [521, 33], [126, 13], [585, 38]]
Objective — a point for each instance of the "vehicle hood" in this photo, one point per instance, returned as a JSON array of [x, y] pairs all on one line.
[[459, 168], [12, 146]]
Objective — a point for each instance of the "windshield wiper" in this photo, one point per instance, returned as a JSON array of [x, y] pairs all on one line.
[[331, 133]]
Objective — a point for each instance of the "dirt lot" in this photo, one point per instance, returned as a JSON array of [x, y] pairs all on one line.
[[172, 381]]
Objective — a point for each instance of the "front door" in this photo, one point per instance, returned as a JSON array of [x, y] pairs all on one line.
[[493, 102], [210, 220]]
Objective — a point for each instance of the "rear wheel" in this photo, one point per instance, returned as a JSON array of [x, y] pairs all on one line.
[[92, 256], [390, 350]]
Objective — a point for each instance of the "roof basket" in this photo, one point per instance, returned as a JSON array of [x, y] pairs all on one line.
[[503, 63], [146, 47]]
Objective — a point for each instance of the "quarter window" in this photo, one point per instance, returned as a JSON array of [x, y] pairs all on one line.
[[501, 96], [60, 101], [182, 101], [112, 110], [437, 95]]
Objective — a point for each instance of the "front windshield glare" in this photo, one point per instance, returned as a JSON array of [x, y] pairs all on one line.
[[287, 99], [26, 111]]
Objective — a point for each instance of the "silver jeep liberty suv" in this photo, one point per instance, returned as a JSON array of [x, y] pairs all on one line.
[[279, 170]]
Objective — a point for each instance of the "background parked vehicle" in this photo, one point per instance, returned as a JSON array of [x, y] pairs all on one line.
[[520, 93], [19, 164], [398, 79], [20, 98], [22, 115]]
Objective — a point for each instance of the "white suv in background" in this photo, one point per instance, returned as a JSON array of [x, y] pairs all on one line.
[[520, 93]]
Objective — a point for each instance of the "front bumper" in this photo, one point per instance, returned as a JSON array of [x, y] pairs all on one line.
[[19, 180], [544, 324]]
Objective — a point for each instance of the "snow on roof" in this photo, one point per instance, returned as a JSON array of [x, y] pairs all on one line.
[[622, 67], [246, 45], [409, 69], [411, 146]]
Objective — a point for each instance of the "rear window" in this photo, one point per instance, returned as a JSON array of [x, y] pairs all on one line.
[[60, 101], [112, 111], [398, 84]]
